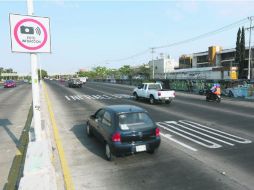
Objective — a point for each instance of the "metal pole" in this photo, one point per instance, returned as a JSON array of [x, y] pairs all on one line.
[[249, 61], [35, 85], [153, 61]]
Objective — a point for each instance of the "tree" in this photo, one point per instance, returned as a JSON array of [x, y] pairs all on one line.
[[100, 71], [242, 55], [143, 71], [238, 49], [43, 74], [8, 70], [126, 70]]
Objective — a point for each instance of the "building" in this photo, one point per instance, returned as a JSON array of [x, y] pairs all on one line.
[[161, 66], [185, 61], [216, 63]]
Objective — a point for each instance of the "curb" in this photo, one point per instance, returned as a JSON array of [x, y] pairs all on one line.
[[66, 172]]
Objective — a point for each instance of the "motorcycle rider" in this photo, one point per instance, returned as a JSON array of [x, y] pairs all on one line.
[[215, 91]]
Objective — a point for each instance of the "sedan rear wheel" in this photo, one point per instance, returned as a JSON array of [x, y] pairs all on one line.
[[108, 153], [88, 130]]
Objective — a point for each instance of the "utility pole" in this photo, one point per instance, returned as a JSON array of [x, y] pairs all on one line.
[[152, 51], [249, 61], [35, 85]]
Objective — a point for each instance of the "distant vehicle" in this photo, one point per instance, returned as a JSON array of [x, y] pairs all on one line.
[[124, 129], [83, 79], [9, 84], [154, 93], [212, 97], [74, 83]]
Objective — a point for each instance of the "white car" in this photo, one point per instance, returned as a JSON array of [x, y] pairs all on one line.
[[154, 93]]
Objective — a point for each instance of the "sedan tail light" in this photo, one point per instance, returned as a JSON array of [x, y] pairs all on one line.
[[157, 132], [159, 93], [116, 137]]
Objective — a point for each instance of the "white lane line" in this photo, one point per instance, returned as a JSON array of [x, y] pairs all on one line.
[[241, 140], [168, 136], [213, 145], [67, 98], [211, 137]]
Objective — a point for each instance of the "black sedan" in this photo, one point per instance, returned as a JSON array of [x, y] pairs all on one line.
[[75, 83], [124, 129]]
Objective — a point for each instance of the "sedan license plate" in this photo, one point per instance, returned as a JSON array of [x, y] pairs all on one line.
[[140, 148]]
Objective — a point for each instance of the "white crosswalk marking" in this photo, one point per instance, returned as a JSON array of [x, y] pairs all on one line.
[[106, 97], [225, 136], [73, 97], [203, 134], [80, 97], [212, 144], [168, 136], [87, 96], [97, 97], [200, 134], [67, 98]]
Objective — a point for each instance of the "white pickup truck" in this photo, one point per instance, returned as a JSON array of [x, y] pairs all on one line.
[[154, 93]]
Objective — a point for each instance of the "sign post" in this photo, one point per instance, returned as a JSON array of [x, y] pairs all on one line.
[[30, 34]]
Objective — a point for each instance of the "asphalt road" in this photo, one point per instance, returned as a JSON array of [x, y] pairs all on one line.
[[14, 107], [205, 145]]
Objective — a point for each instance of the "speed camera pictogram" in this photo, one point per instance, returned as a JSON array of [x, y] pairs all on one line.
[[30, 34]]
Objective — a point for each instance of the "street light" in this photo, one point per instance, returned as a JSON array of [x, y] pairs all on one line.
[[249, 61], [152, 51]]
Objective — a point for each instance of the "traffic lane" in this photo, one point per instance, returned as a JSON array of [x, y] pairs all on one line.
[[227, 104], [14, 104], [170, 168], [242, 160], [209, 112]]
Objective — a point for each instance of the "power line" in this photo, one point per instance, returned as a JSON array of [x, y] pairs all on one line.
[[230, 26], [242, 21], [130, 57]]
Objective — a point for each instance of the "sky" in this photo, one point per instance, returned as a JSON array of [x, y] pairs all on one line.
[[87, 34]]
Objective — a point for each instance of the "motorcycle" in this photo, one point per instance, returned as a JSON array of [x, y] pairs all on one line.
[[212, 97]]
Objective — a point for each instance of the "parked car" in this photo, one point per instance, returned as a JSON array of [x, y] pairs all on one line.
[[74, 83], [9, 84], [154, 93], [124, 129]]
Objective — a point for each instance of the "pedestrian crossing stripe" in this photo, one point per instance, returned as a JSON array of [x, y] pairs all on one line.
[[200, 134], [97, 97]]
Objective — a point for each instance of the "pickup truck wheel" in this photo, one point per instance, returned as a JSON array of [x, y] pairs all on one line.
[[151, 99], [135, 95], [168, 101]]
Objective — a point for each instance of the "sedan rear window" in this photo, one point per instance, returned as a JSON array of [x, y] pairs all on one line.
[[134, 121]]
